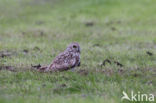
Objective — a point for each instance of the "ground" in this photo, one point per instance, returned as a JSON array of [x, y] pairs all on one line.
[[118, 49]]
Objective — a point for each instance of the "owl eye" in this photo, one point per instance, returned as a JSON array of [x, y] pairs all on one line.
[[74, 46]]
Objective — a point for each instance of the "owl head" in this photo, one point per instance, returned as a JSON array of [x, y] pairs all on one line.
[[74, 47]]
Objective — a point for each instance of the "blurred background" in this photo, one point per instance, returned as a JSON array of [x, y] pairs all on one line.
[[106, 27]]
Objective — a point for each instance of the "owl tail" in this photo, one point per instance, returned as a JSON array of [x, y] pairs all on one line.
[[40, 68], [43, 69]]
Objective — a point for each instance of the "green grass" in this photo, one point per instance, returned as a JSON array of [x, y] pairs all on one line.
[[122, 30]]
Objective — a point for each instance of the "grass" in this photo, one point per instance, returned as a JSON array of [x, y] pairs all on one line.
[[35, 31]]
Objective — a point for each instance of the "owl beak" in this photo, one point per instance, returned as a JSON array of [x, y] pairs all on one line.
[[79, 50]]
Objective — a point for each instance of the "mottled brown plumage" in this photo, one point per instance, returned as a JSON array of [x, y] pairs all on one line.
[[66, 60]]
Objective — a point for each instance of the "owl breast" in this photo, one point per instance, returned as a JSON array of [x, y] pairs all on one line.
[[65, 61]]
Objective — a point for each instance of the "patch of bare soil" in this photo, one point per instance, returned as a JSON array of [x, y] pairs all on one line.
[[106, 61], [6, 53], [25, 51], [89, 23], [110, 62], [35, 33], [149, 53], [118, 64], [10, 68], [113, 29]]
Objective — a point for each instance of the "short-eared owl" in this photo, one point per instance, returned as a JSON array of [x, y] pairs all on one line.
[[66, 60]]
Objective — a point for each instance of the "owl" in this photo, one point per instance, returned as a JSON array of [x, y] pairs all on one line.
[[66, 60]]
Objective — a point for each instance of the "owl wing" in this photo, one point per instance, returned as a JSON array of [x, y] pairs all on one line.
[[63, 61]]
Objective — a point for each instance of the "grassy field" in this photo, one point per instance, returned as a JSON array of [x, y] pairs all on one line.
[[33, 32]]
